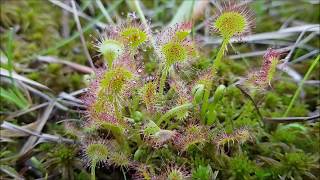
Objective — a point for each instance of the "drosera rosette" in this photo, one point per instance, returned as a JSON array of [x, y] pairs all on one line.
[[239, 136], [95, 153], [109, 93], [193, 134], [232, 20], [99, 113], [175, 47], [174, 172], [117, 84]]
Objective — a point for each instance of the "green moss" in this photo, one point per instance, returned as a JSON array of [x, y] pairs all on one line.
[[273, 101], [65, 154], [202, 173], [289, 133], [241, 167], [295, 165], [41, 30], [34, 76], [299, 110], [54, 68]]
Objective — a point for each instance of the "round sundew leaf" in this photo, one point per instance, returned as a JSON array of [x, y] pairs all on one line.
[[111, 46], [97, 152], [174, 52], [111, 49], [149, 94], [182, 114], [230, 23], [119, 158], [115, 79], [134, 36]]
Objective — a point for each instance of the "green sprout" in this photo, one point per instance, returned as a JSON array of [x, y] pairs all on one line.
[[95, 152]]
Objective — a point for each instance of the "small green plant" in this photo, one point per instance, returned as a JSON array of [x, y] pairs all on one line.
[[110, 48], [175, 173], [241, 167], [202, 173], [175, 47], [296, 165], [233, 20], [14, 96], [95, 152]]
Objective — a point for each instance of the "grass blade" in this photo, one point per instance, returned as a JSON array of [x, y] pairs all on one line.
[[184, 12], [15, 97], [6, 73], [313, 65], [41, 121]]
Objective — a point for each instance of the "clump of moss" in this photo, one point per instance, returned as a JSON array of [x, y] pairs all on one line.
[[38, 30], [296, 165], [241, 167]]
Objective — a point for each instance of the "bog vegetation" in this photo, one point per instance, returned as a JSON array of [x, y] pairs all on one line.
[[164, 90]]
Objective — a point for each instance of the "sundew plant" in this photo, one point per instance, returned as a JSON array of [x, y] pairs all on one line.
[[161, 103], [139, 114]]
